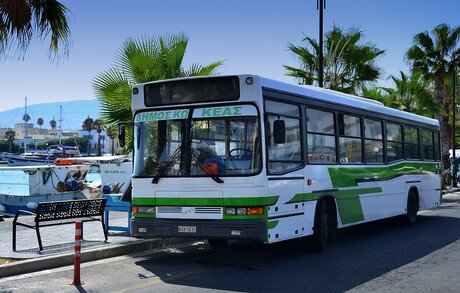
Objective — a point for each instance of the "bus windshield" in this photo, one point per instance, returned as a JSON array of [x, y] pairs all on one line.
[[215, 141]]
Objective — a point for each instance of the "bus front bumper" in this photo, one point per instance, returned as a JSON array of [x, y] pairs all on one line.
[[228, 229]]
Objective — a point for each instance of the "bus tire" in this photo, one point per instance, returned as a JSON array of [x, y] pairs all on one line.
[[217, 242], [322, 227], [412, 208]]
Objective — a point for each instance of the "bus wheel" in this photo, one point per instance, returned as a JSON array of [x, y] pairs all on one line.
[[321, 233], [412, 208], [217, 243]]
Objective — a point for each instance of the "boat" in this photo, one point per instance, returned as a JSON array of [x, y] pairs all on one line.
[[22, 187], [34, 158], [115, 171]]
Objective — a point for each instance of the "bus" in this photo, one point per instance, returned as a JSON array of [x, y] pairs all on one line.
[[246, 157]]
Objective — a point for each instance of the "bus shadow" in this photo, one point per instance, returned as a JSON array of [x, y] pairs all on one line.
[[358, 255]]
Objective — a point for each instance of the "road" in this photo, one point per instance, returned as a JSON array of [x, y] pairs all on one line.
[[384, 255]]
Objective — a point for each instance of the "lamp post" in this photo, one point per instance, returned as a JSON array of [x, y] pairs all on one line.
[[321, 5], [454, 109]]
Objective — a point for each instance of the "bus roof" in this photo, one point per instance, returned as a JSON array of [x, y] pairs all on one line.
[[321, 94], [327, 95]]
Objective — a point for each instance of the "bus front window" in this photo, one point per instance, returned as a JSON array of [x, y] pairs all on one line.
[[159, 144], [215, 145], [225, 146]]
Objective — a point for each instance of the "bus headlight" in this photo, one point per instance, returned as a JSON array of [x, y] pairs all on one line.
[[145, 210], [240, 211]]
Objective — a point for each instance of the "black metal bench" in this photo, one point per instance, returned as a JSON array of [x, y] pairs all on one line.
[[60, 212]]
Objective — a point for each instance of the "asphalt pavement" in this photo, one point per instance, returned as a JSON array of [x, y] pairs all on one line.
[[438, 271]]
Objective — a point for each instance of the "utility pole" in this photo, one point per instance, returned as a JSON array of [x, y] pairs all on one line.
[[454, 109], [321, 5]]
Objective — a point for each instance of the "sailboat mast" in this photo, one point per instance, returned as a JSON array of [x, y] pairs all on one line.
[[60, 124], [25, 125]]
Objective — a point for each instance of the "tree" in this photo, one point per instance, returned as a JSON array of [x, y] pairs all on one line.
[[142, 60], [88, 125], [40, 122], [435, 56], [99, 124], [112, 132], [348, 65], [10, 136], [375, 93], [21, 20], [412, 94], [53, 124]]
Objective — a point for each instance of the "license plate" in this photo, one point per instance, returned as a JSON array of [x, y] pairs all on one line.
[[187, 229]]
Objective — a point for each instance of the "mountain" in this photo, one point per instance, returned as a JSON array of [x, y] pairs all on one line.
[[73, 114]]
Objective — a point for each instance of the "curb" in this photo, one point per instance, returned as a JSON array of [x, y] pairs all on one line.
[[66, 259]]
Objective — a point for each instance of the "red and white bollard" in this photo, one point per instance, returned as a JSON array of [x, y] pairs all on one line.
[[76, 259]]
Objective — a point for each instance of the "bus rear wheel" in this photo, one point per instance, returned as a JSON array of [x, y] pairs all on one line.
[[412, 208], [323, 226]]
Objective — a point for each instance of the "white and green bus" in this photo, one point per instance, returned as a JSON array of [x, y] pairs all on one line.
[[245, 157]]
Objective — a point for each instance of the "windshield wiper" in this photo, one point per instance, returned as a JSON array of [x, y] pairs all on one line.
[[163, 168], [201, 164]]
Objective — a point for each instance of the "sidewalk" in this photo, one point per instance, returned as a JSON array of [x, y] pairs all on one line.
[[58, 245]]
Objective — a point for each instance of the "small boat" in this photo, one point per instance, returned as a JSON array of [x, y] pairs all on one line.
[[41, 157], [28, 159], [115, 171], [22, 187]]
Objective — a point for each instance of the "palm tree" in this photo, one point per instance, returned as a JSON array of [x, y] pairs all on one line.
[[375, 93], [412, 94], [435, 56], [40, 122], [348, 65], [53, 124], [112, 132], [88, 125], [99, 124], [142, 60], [10, 137], [21, 20]]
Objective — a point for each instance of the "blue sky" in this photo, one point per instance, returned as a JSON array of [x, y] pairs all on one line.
[[250, 36]]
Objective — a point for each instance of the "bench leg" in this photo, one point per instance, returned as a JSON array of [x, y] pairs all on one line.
[[105, 231], [14, 236], [37, 230]]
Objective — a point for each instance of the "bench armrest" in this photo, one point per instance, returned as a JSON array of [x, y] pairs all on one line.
[[23, 212]]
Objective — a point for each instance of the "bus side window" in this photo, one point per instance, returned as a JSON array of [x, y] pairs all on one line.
[[283, 137]]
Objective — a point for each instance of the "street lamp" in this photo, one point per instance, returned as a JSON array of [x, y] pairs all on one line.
[[321, 5], [454, 163]]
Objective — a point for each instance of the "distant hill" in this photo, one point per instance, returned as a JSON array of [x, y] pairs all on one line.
[[73, 114]]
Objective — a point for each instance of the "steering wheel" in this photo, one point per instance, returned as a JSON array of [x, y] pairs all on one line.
[[242, 153]]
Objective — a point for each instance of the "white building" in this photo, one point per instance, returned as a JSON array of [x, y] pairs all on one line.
[[106, 142]]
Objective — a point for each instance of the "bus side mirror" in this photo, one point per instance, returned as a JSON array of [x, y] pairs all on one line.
[[279, 131], [121, 135]]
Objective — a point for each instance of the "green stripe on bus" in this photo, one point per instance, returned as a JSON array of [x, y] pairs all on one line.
[[348, 202], [205, 201], [245, 217], [349, 177], [272, 224]]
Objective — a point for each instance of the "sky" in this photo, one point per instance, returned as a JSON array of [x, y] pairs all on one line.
[[249, 36]]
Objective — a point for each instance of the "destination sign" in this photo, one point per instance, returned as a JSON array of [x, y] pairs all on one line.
[[225, 111], [162, 115], [212, 112]]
